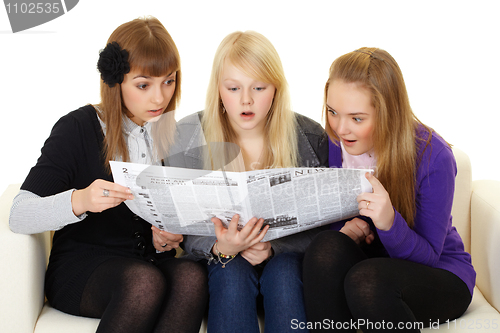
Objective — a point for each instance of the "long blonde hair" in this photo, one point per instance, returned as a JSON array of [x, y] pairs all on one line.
[[394, 136], [255, 56], [152, 52]]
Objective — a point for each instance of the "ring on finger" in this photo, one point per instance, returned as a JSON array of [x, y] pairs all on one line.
[[367, 204], [105, 193], [165, 245]]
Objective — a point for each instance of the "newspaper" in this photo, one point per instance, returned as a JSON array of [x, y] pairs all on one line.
[[289, 200]]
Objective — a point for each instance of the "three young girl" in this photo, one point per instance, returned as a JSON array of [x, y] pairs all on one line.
[[401, 261]]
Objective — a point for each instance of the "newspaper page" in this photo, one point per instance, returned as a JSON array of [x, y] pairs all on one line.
[[290, 200], [296, 199]]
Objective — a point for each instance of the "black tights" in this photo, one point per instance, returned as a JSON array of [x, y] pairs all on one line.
[[344, 286], [131, 295]]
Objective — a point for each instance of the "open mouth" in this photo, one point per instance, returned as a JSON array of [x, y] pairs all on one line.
[[349, 142], [156, 112], [247, 114]]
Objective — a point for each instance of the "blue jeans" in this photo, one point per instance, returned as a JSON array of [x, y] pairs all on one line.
[[234, 290]]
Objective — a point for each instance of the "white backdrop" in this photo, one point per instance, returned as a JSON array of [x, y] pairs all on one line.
[[448, 52]]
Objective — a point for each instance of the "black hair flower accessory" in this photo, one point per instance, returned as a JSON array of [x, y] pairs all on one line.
[[113, 64]]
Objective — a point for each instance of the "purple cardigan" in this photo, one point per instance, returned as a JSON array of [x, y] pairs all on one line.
[[433, 241]]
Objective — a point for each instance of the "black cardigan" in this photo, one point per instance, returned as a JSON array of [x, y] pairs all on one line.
[[72, 158]]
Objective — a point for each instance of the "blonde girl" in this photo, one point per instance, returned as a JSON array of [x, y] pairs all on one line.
[[248, 106], [106, 262]]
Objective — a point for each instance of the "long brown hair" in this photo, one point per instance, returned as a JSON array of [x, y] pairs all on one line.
[[394, 136], [152, 52]]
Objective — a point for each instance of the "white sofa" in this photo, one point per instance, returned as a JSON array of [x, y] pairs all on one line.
[[476, 212]]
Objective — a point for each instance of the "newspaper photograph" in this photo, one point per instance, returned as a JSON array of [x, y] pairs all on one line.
[[290, 200]]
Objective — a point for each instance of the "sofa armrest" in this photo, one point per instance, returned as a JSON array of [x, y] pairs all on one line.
[[461, 198], [485, 238], [23, 262]]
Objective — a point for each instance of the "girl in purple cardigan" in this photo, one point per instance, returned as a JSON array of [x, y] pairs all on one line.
[[400, 264]]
